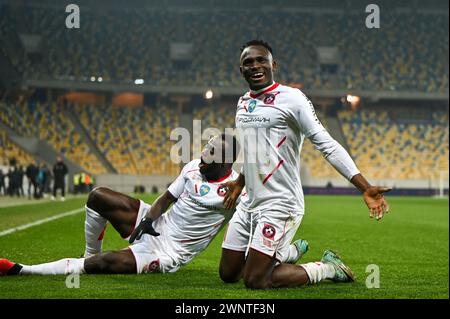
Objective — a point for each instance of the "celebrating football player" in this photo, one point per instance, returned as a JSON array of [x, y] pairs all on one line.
[[273, 120], [162, 239]]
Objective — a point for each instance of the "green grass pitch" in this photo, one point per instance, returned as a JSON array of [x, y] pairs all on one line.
[[410, 246]]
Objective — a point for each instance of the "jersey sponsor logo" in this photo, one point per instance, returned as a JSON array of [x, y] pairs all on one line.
[[222, 190], [270, 98], [151, 267], [258, 119], [269, 231], [196, 202], [204, 189], [252, 106]]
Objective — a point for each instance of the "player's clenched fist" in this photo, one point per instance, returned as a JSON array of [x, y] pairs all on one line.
[[144, 227]]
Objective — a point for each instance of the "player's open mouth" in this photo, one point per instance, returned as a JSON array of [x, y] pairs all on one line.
[[258, 76]]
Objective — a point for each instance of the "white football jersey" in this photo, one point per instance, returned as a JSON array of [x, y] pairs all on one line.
[[195, 218], [272, 125]]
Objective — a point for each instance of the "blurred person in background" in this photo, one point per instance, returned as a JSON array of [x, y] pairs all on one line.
[[2, 182], [16, 181], [42, 180], [20, 175], [60, 171], [48, 180], [31, 173]]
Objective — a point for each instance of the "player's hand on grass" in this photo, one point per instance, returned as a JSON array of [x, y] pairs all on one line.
[[375, 201], [232, 195], [144, 227]]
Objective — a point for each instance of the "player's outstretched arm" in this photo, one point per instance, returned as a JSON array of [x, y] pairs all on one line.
[[339, 158], [234, 190], [373, 196], [160, 205]]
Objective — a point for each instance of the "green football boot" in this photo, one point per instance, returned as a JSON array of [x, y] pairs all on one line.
[[302, 247], [343, 272]]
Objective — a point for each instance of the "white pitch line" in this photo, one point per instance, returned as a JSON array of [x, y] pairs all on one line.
[[41, 221]]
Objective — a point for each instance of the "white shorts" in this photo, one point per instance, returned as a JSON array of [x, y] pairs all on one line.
[[154, 254], [143, 209], [269, 232]]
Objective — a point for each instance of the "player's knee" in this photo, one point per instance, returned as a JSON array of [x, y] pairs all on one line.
[[255, 282], [96, 197], [228, 276]]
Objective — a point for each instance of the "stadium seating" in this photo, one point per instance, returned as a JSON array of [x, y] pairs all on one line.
[[48, 123], [383, 147], [134, 140], [131, 144], [119, 46], [9, 150]]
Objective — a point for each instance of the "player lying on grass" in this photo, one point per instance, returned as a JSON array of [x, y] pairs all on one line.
[[162, 242]]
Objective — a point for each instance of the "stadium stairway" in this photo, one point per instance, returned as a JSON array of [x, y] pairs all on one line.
[[10, 149], [88, 140], [43, 151], [7, 129]]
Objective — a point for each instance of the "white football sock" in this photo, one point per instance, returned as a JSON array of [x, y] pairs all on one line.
[[292, 255], [93, 232], [61, 267], [318, 271]]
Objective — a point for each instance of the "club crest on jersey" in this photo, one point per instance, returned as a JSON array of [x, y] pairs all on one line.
[[222, 190], [252, 106], [270, 98], [204, 189], [268, 231]]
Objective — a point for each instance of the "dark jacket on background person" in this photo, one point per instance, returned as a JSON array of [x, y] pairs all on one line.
[[31, 172], [48, 178], [16, 180], [59, 172]]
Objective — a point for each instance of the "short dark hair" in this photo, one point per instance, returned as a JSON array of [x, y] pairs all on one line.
[[257, 42], [229, 139]]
